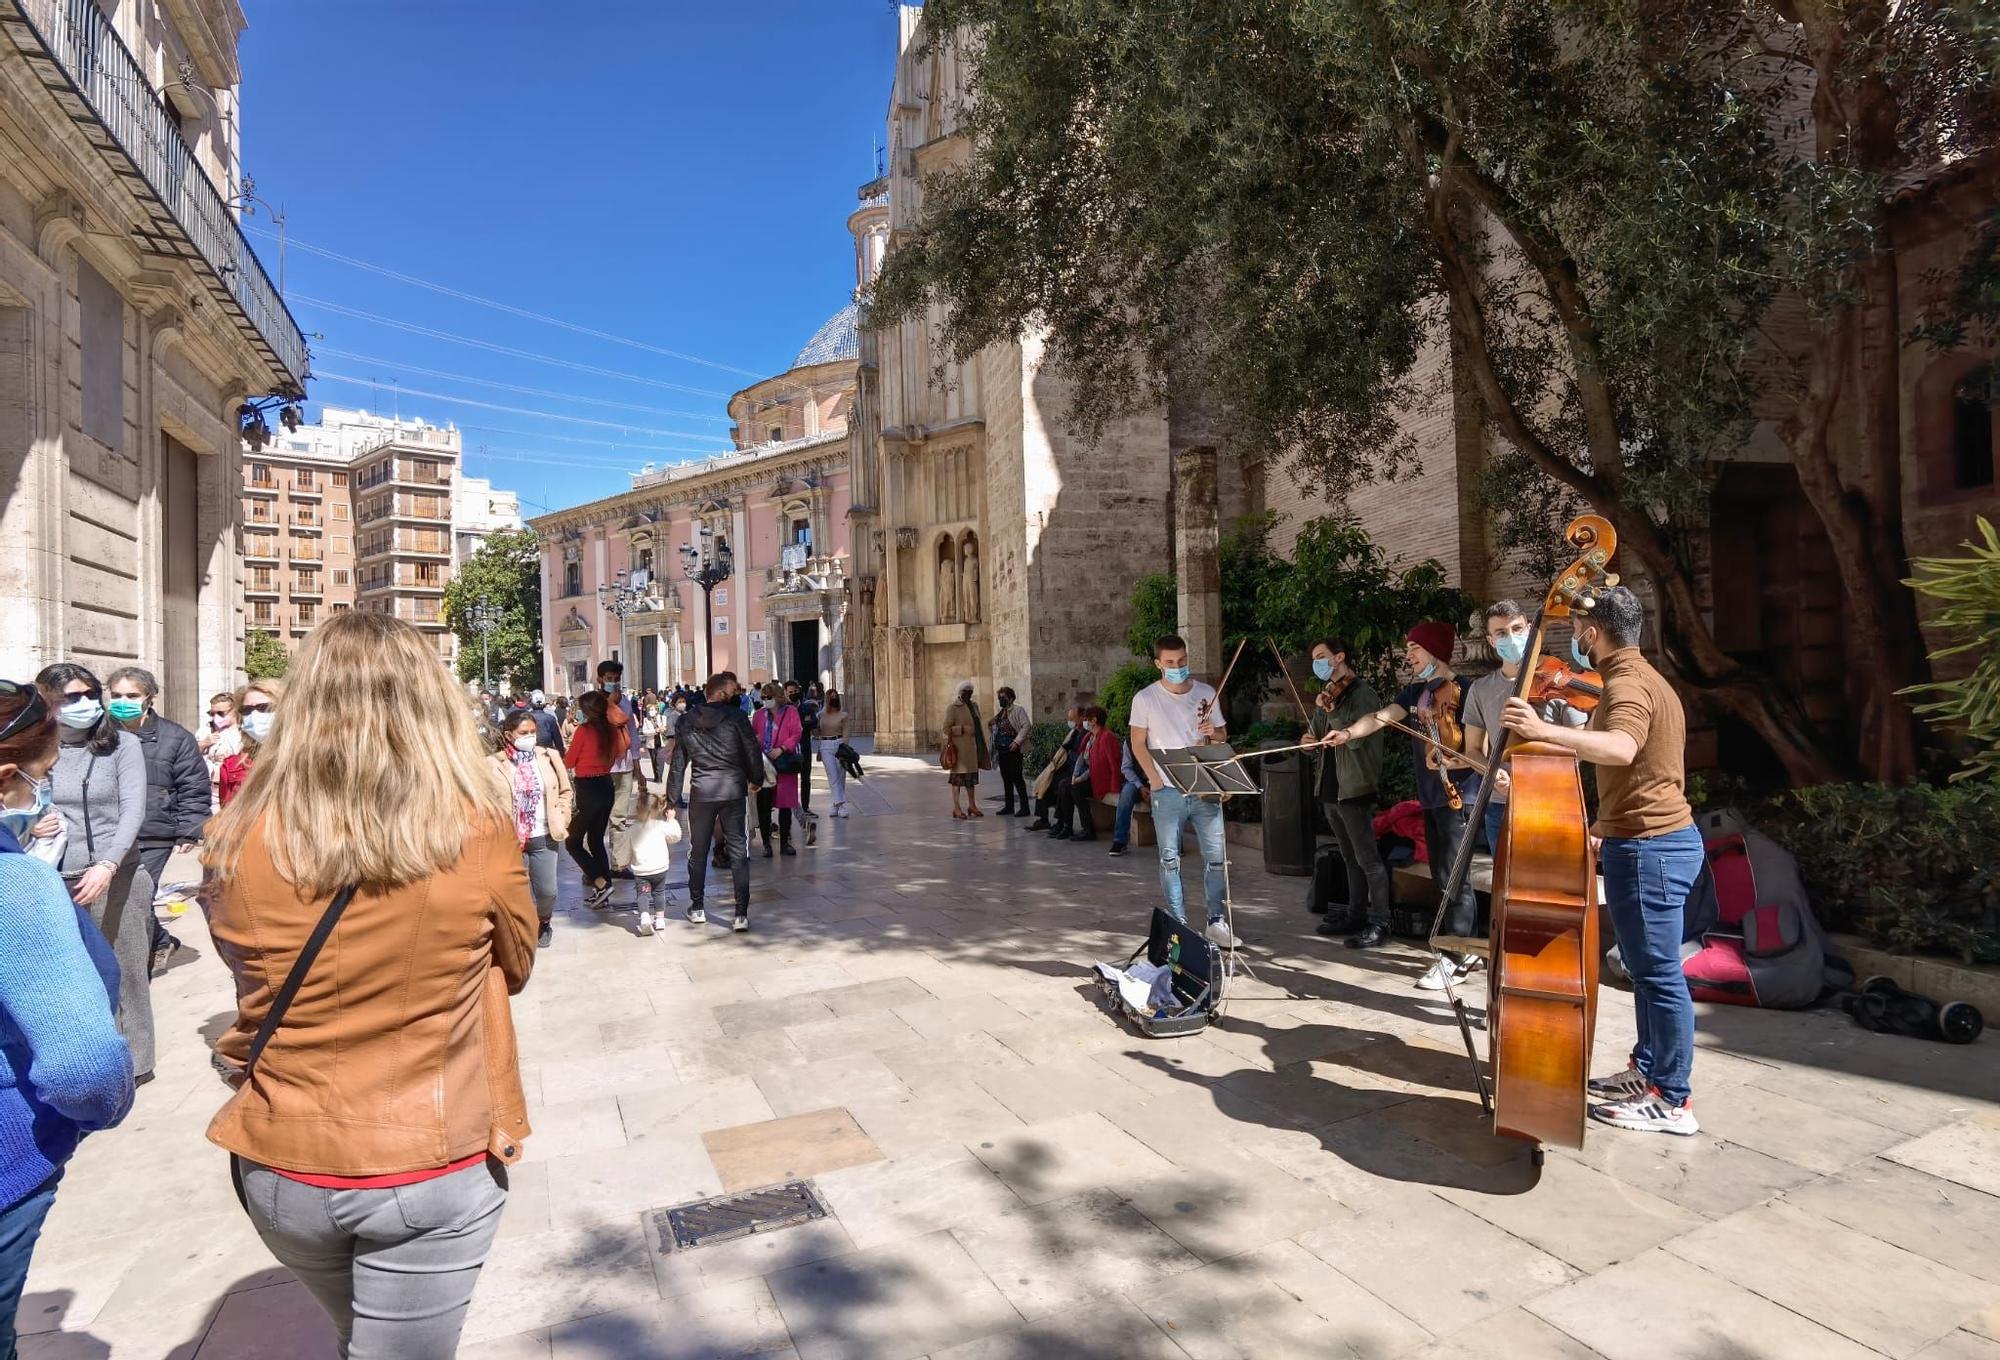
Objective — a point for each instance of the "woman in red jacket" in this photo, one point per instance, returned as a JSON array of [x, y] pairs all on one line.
[[594, 749], [1100, 754]]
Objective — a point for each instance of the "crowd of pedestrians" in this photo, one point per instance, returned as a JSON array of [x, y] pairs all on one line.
[[370, 1127]]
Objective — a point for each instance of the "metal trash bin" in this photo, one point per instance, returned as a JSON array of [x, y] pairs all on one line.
[[1288, 813]]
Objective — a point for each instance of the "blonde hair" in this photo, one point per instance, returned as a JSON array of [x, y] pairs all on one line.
[[272, 689], [374, 773], [649, 803]]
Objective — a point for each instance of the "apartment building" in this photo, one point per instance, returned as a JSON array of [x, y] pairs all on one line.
[[355, 512], [298, 539], [478, 511]]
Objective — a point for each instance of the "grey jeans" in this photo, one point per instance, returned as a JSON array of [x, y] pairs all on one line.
[[1354, 831], [394, 1269], [541, 857], [125, 916]]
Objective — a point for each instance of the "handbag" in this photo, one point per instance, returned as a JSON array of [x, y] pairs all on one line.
[[948, 754], [283, 1001], [789, 761]]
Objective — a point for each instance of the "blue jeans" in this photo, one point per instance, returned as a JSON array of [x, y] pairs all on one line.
[[1496, 812], [1646, 887], [1172, 810], [20, 1226], [1121, 825]]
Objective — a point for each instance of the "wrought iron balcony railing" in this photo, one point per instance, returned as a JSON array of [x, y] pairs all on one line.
[[80, 59]]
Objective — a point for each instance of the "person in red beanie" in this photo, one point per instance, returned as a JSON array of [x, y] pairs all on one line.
[[1432, 690]]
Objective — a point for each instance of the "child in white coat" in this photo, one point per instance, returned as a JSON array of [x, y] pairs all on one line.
[[653, 832]]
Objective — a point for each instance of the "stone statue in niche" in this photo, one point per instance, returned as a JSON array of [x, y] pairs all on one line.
[[971, 580], [947, 588]]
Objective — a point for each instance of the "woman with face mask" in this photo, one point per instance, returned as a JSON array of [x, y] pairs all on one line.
[[64, 1070], [99, 783], [221, 739], [256, 709], [544, 801]]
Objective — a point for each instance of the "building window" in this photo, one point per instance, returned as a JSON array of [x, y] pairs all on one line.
[[340, 607], [304, 479], [339, 511], [340, 479], [260, 612], [572, 578], [260, 475], [777, 434], [428, 574], [102, 340], [340, 578], [802, 532], [579, 672], [308, 615]]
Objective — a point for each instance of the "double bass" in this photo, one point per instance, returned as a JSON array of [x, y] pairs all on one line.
[[1542, 982]]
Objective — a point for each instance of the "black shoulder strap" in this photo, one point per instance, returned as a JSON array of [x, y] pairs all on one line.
[[293, 980]]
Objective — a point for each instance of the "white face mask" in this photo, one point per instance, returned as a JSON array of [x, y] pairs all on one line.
[[525, 742]]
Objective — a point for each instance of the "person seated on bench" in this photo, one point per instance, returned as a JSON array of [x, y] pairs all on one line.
[[1130, 796]]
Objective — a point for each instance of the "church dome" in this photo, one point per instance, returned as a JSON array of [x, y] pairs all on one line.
[[837, 339]]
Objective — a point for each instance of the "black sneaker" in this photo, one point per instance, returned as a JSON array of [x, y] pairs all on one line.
[[1368, 937], [1039, 824], [741, 923], [545, 936], [1118, 847], [785, 847], [696, 916], [767, 850]]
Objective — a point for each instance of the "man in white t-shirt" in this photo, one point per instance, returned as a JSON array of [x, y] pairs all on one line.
[[1171, 714]]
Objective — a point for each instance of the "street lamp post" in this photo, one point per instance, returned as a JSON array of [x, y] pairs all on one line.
[[485, 618], [625, 597], [708, 567]]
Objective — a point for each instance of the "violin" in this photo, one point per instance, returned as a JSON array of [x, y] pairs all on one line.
[[1333, 692], [1581, 690], [1445, 735]]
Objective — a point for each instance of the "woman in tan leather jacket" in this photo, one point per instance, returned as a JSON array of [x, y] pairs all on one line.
[[371, 1138]]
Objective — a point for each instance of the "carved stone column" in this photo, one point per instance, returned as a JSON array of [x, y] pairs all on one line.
[[1198, 559]]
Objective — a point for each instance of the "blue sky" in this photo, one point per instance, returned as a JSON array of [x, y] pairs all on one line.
[[668, 172]]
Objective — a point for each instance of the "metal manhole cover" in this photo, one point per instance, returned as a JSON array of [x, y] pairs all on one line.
[[731, 1216]]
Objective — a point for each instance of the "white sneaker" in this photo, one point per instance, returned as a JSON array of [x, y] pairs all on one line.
[[1648, 1113], [1220, 933], [645, 923], [1442, 971]]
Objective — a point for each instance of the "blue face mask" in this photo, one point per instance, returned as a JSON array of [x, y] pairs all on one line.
[[258, 724], [18, 820], [1322, 668], [1579, 655], [1177, 675], [1511, 647], [78, 714], [1428, 671]]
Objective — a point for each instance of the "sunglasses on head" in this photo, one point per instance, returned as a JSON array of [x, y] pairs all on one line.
[[31, 713]]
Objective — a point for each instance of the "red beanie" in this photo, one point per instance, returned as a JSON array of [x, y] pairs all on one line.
[[1436, 638]]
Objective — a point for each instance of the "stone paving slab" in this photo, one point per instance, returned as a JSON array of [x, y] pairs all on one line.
[[1310, 1176]]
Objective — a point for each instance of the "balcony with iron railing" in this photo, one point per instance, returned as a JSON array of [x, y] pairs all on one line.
[[260, 547], [307, 585], [262, 582], [312, 488], [307, 551], [254, 486], [433, 509], [310, 522], [79, 59]]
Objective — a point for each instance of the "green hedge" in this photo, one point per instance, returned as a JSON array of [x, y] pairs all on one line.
[[1915, 869]]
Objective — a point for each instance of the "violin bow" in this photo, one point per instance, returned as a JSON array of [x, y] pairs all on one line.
[[1206, 704], [1304, 712]]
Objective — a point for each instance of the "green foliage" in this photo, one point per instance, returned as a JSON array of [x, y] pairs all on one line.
[[506, 571], [1155, 612], [1340, 584], [1276, 731], [1116, 692], [1969, 589], [264, 657], [1911, 869], [1043, 739]]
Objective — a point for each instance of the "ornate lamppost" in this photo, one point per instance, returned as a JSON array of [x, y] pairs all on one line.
[[625, 597], [485, 617], [708, 567]]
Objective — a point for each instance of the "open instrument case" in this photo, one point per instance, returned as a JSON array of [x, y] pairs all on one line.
[[1197, 969]]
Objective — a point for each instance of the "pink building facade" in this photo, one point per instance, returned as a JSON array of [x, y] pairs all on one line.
[[616, 577]]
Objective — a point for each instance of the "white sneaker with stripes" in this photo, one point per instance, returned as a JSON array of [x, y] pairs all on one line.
[[1626, 1085], [1648, 1113]]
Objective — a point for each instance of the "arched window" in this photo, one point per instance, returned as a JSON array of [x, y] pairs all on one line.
[[1955, 408], [1972, 428]]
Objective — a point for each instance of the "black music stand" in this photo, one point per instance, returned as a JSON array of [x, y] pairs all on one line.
[[1215, 773]]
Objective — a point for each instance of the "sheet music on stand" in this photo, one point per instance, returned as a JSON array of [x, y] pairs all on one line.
[[1206, 771]]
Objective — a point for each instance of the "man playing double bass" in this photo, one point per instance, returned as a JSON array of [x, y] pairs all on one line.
[[1650, 855], [1427, 650]]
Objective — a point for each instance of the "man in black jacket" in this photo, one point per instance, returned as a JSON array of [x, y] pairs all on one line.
[[716, 743], [178, 796]]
